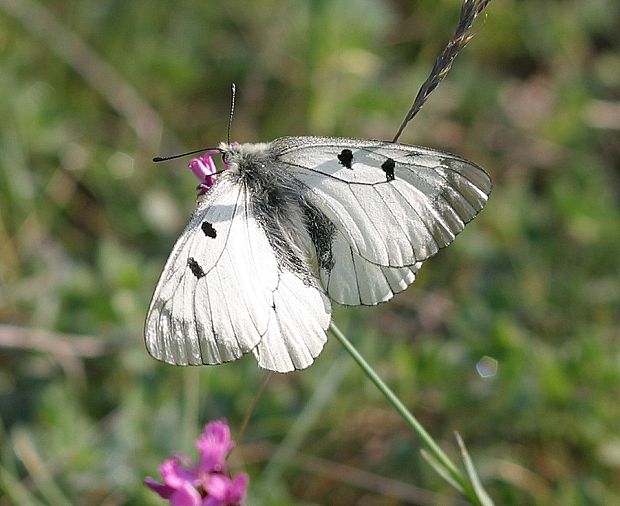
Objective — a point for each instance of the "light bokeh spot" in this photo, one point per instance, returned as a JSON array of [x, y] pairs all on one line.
[[487, 367]]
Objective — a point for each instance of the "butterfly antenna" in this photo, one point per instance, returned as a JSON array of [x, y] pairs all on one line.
[[469, 12], [172, 157], [233, 89]]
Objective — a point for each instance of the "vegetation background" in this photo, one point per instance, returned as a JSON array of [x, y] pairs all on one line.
[[91, 90]]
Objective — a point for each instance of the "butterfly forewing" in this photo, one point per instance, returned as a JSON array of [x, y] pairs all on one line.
[[395, 204], [212, 301]]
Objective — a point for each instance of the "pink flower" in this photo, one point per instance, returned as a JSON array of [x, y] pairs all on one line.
[[222, 490], [214, 445], [204, 168], [178, 486], [205, 484]]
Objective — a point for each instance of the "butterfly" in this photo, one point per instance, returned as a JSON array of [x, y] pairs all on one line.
[[296, 224]]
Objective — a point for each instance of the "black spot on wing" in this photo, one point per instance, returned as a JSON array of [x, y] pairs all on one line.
[[388, 168], [208, 229], [195, 268], [346, 158]]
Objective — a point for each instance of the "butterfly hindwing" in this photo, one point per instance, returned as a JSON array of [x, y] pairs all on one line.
[[353, 281], [299, 317]]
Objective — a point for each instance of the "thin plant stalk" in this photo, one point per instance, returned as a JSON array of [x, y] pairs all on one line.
[[191, 403], [457, 477]]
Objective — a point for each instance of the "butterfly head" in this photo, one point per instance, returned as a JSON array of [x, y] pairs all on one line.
[[236, 154], [235, 157]]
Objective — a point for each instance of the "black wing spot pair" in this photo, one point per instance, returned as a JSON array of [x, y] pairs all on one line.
[[194, 266], [346, 160]]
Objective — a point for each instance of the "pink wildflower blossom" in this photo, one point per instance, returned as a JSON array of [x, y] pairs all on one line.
[[204, 169], [208, 483]]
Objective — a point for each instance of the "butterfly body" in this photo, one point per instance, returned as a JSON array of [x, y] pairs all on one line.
[[293, 225], [279, 203]]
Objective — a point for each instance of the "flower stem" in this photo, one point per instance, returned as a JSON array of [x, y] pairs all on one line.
[[432, 447]]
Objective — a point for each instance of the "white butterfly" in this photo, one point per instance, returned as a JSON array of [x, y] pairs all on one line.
[[292, 224]]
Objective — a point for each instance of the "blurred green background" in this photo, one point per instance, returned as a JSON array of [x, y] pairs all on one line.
[[91, 90]]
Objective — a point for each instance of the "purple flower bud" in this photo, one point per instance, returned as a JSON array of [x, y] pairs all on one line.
[[204, 168]]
